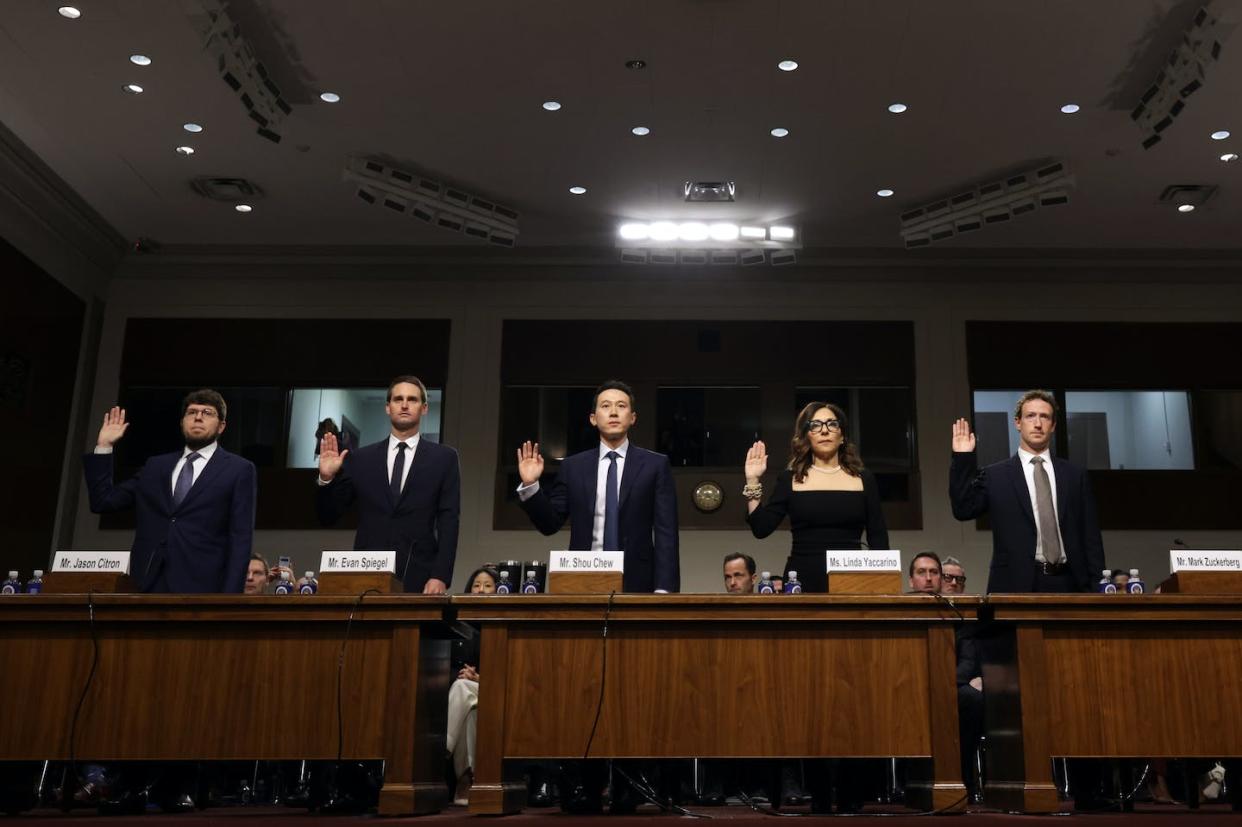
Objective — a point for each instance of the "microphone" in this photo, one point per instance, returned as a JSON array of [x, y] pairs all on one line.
[[1178, 541]]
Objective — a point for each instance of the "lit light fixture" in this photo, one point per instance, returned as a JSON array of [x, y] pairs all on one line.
[[1185, 207], [551, 106], [70, 12], [780, 132], [787, 65], [753, 232], [723, 232], [329, 97], [1220, 135], [781, 233], [884, 193], [692, 231], [243, 208], [1070, 108], [897, 108], [192, 127], [578, 190], [664, 231], [140, 60], [185, 150], [133, 88], [635, 232], [1229, 157], [641, 130]]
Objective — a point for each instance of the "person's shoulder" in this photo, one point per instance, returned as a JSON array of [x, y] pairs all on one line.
[[647, 454], [868, 478], [233, 459], [1006, 464], [436, 448]]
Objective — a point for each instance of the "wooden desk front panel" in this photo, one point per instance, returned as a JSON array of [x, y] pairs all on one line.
[[739, 690]]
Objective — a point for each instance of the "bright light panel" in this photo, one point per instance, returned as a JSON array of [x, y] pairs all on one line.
[[635, 232], [723, 232], [664, 231], [781, 233], [692, 231]]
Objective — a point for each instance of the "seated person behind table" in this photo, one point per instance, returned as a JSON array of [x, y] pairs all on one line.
[[739, 573], [1121, 578], [952, 576], [260, 576], [924, 573], [463, 699]]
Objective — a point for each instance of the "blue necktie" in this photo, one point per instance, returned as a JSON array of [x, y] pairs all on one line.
[[185, 479], [612, 540], [398, 467]]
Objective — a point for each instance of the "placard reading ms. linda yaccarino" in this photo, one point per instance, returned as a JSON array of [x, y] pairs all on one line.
[[1189, 560], [559, 561], [872, 560], [354, 562], [92, 562]]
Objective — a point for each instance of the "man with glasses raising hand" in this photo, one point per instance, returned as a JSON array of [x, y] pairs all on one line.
[[194, 507]]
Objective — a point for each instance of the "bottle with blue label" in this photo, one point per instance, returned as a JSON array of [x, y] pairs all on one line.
[[1106, 583], [308, 584], [12, 585], [504, 586], [1135, 586], [284, 585], [531, 586], [765, 583], [792, 586], [35, 584]]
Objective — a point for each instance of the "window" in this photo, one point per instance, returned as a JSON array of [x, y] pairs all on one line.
[[253, 430], [555, 417], [1129, 430], [995, 435], [706, 426], [357, 413]]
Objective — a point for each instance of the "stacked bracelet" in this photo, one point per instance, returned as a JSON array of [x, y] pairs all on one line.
[[753, 491]]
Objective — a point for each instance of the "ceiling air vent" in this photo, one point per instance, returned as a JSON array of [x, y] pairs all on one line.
[[226, 189], [709, 191], [1195, 195]]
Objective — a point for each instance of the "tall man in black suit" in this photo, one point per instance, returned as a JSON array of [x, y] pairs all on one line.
[[194, 507], [408, 492], [617, 497], [1045, 535]]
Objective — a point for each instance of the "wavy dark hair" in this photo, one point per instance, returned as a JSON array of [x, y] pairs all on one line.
[[800, 457], [488, 570]]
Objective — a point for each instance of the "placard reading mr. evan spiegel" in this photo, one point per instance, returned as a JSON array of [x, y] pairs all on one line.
[[353, 562]]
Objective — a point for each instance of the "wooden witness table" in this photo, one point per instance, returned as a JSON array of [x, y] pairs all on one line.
[[229, 677], [1106, 676], [808, 676]]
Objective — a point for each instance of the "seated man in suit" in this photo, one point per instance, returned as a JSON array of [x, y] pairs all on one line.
[[1045, 535], [739, 573], [924, 573], [952, 576], [617, 497], [407, 489]]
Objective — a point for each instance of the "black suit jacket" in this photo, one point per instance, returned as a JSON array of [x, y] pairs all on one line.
[[421, 526], [201, 545], [647, 522], [1000, 491]]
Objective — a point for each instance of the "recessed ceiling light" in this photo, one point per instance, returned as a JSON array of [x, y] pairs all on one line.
[[1229, 157], [243, 207], [185, 150], [140, 60], [897, 108], [192, 127], [663, 231], [753, 232], [787, 65], [781, 233], [641, 130], [780, 132], [551, 106], [1070, 108], [693, 231], [635, 64], [1220, 135], [71, 12], [1186, 208], [635, 231], [133, 88], [884, 193], [329, 97], [578, 190], [723, 232]]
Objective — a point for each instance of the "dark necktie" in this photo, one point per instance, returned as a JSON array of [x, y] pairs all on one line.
[[612, 539], [1048, 533], [398, 469], [185, 479]]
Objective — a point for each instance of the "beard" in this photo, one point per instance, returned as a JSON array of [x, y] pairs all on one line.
[[195, 443]]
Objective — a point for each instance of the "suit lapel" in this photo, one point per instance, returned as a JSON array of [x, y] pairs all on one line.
[[590, 480], [164, 474], [1018, 475], [208, 472], [633, 462]]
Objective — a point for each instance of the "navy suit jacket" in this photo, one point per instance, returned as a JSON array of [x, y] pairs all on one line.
[[1000, 490], [421, 526], [647, 523], [202, 545]]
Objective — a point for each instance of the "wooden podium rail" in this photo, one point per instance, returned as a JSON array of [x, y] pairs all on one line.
[[229, 677], [1111, 676], [817, 675]]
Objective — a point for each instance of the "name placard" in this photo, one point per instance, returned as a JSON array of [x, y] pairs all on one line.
[[1190, 560], [603, 561], [109, 562], [338, 562], [872, 560]]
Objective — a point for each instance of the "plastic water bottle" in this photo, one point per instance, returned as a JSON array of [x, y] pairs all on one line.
[[765, 583], [308, 584], [792, 586], [1135, 586], [35, 584], [1106, 583], [504, 587], [531, 586], [12, 585], [284, 585]]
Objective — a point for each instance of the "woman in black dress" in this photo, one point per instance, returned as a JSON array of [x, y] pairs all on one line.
[[824, 490]]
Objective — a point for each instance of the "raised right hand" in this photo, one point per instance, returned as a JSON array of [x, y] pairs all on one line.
[[113, 428], [530, 462], [756, 462], [963, 439], [330, 457]]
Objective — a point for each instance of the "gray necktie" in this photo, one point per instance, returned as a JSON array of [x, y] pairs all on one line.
[[185, 479], [1047, 515]]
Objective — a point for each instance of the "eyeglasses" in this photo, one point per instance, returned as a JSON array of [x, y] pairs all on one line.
[[205, 413], [954, 578], [817, 425]]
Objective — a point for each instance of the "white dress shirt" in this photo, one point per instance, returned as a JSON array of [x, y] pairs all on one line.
[[1028, 469], [393, 442], [525, 492], [204, 455]]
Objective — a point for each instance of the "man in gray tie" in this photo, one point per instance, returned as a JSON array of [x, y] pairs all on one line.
[[1045, 534]]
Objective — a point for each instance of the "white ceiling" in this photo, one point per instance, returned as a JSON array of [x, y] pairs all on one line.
[[454, 90]]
